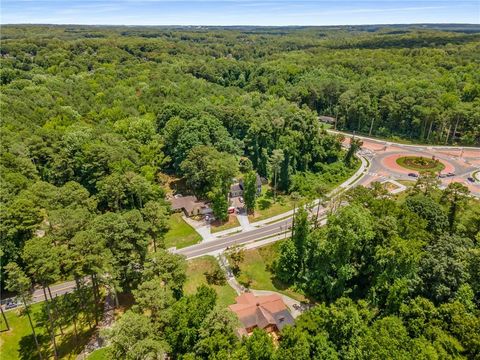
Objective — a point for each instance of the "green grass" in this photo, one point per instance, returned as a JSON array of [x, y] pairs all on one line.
[[267, 207], [406, 182], [180, 234], [420, 164], [195, 278], [256, 271], [100, 354], [230, 224], [18, 342]]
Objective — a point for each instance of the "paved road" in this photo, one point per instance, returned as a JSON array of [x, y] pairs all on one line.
[[462, 161], [56, 290], [237, 239]]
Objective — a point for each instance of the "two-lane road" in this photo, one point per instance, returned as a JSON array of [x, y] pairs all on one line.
[[208, 247]]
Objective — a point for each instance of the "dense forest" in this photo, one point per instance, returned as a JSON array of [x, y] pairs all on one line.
[[94, 118]]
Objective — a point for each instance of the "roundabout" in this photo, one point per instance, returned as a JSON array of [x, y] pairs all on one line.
[[420, 164], [403, 162]]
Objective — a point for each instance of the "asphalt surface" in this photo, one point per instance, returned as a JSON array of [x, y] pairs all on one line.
[[237, 239], [461, 161], [56, 290]]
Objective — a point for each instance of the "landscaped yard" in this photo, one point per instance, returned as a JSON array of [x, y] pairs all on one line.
[[231, 223], [180, 234], [256, 272], [196, 277], [18, 342], [420, 164]]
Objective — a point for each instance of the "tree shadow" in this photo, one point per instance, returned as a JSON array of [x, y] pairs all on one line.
[[27, 349], [264, 203]]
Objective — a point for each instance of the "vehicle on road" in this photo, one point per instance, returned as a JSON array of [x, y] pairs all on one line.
[[413, 175], [240, 199], [10, 305], [450, 174], [471, 179]]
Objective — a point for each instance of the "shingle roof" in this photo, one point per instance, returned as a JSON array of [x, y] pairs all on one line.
[[261, 311], [188, 203]]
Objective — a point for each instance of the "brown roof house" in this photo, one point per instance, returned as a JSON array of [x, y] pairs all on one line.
[[264, 312], [190, 205]]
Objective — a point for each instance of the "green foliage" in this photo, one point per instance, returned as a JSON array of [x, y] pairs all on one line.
[[205, 169], [219, 200], [133, 337], [250, 190], [91, 116]]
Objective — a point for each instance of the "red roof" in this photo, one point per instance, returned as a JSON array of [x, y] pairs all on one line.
[[261, 311]]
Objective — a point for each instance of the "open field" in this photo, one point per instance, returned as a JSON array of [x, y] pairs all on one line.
[[256, 271], [196, 277], [180, 234]]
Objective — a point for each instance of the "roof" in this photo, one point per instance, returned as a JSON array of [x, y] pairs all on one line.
[[258, 183], [188, 203], [237, 187], [261, 311], [327, 119]]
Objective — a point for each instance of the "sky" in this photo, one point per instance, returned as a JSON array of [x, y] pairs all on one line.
[[238, 12]]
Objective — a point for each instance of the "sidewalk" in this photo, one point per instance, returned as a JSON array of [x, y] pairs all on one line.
[[245, 225]]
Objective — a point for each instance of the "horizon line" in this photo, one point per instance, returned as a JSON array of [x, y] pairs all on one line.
[[244, 25]]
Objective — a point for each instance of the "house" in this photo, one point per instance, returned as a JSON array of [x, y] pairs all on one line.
[[263, 312], [327, 119], [236, 189], [190, 205]]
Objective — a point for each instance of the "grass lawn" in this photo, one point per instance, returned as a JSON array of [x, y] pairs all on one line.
[[266, 207], [195, 278], [180, 234], [256, 273], [420, 164], [100, 354], [231, 223], [406, 182], [18, 342]]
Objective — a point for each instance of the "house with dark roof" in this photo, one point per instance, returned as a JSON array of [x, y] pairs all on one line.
[[190, 205], [236, 189], [263, 312]]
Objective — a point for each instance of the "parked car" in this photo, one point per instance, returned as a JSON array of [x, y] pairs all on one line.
[[231, 210], [413, 175], [240, 199], [450, 174], [10, 305], [441, 176], [471, 179]]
